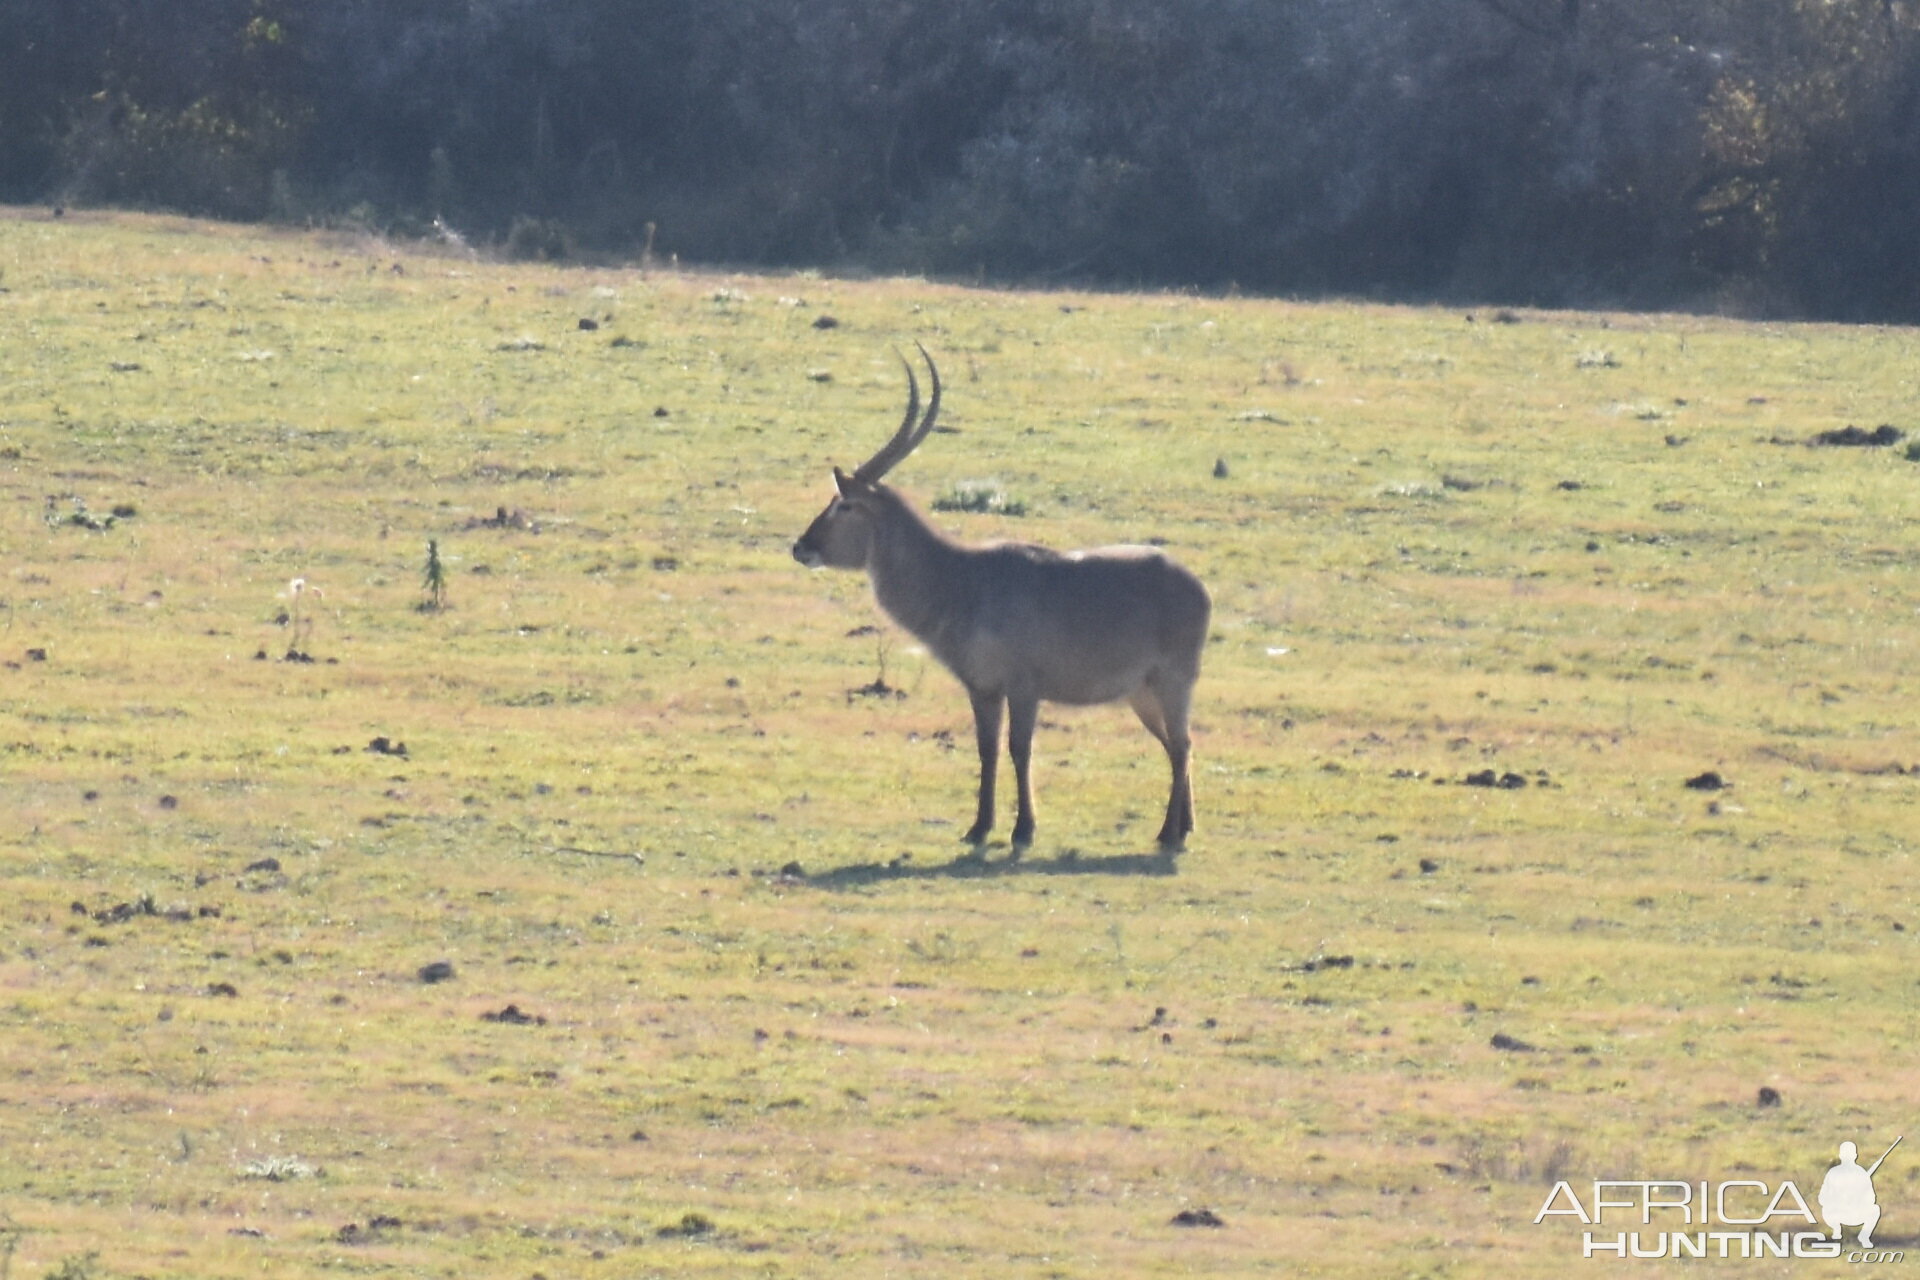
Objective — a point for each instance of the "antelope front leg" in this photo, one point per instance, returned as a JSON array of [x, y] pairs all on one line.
[[986, 734], [1021, 715]]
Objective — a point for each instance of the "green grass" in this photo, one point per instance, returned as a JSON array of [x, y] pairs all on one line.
[[1593, 551]]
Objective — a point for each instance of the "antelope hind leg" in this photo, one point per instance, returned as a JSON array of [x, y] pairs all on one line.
[[1171, 703]]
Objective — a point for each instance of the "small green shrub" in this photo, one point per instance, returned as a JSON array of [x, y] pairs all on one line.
[[76, 1266], [537, 240], [690, 1227], [980, 497], [433, 582]]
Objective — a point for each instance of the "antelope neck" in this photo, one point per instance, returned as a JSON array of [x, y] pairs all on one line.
[[919, 574]]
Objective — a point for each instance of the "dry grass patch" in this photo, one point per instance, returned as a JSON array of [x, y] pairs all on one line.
[[723, 994]]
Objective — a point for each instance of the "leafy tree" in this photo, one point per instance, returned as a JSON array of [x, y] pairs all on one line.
[[1645, 152]]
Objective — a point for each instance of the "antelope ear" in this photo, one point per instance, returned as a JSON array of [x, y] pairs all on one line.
[[841, 482]]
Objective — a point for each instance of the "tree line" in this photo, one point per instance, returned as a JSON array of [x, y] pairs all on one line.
[[1759, 156]]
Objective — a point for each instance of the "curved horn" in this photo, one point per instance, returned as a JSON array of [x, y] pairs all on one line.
[[913, 428]]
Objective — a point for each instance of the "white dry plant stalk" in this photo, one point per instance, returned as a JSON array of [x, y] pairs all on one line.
[[278, 1169], [299, 621]]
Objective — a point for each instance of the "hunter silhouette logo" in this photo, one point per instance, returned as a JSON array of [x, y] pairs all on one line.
[[1736, 1218], [1846, 1194]]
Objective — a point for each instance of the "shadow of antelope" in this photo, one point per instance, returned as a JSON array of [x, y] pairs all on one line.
[[972, 866]]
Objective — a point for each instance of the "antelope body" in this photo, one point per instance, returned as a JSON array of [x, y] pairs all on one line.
[[1019, 624]]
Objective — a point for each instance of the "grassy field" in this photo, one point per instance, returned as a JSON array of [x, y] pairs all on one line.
[[724, 998]]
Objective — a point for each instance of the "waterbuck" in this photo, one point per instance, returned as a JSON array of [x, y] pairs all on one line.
[[1019, 624]]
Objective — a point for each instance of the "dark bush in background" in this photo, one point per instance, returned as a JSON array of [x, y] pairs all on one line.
[[1752, 154]]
